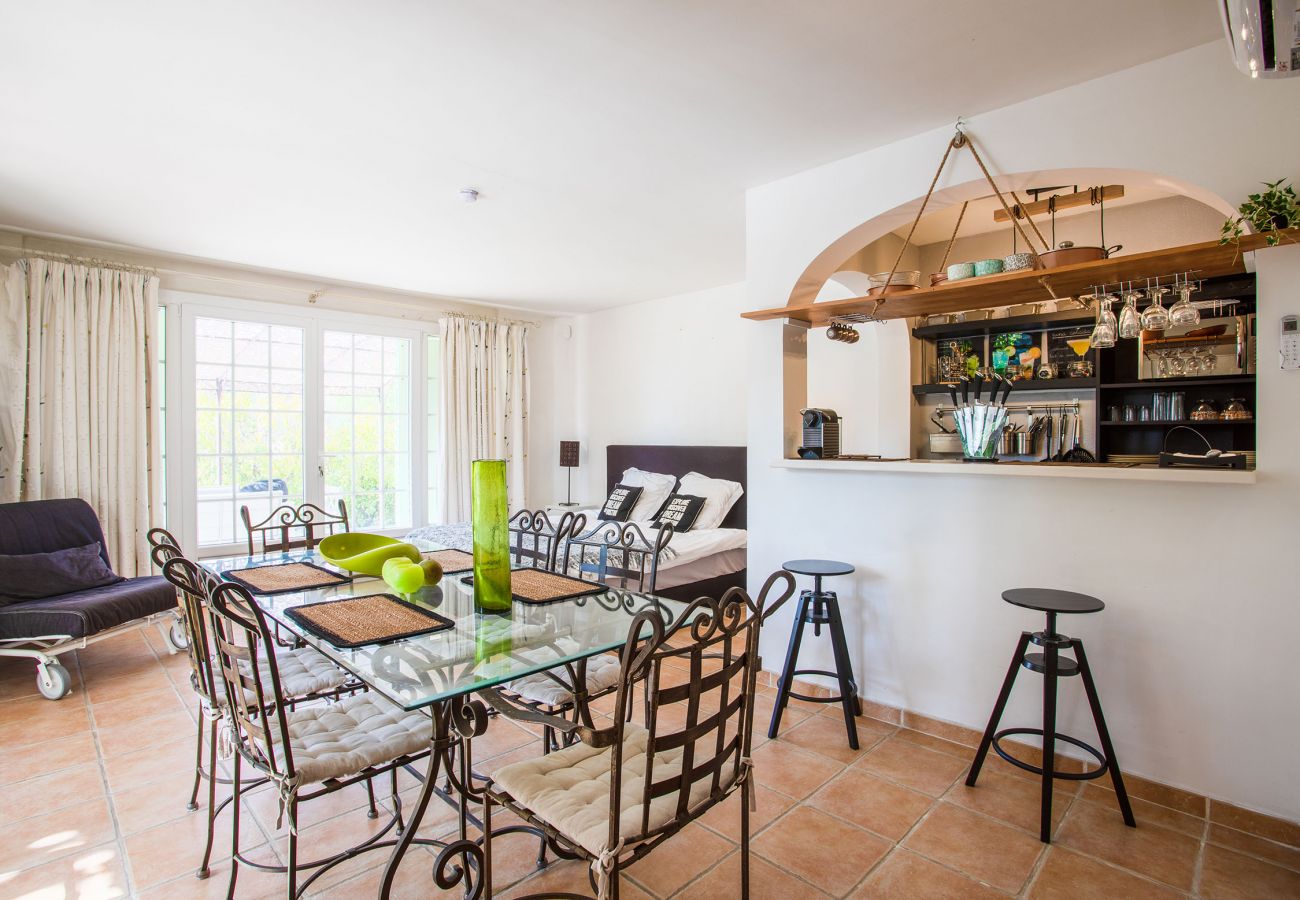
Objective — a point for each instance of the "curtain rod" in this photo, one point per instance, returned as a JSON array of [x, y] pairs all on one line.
[[461, 315], [82, 260]]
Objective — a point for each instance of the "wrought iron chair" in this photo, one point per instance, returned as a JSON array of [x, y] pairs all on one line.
[[305, 752], [691, 752], [619, 554], [536, 542], [288, 527], [313, 676]]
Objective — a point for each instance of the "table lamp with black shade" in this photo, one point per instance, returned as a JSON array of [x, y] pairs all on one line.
[[569, 460]]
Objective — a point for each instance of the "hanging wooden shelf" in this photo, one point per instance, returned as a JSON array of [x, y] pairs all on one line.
[[1207, 260]]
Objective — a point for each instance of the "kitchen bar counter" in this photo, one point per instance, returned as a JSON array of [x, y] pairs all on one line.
[[1024, 470]]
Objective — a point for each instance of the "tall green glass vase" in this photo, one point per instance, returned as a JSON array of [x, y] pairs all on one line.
[[491, 534]]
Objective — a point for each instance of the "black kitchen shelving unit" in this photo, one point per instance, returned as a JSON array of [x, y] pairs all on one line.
[[1116, 381]]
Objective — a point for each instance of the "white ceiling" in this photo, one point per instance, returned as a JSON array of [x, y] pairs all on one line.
[[612, 142]]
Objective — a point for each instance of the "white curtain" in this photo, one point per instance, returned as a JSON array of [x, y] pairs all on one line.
[[77, 382], [484, 407]]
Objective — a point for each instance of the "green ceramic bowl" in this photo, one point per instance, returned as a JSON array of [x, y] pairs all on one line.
[[364, 553]]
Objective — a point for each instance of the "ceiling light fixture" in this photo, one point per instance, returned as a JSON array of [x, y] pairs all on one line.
[[469, 195]]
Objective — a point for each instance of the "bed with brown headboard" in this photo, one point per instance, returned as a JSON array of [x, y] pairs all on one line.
[[715, 462]]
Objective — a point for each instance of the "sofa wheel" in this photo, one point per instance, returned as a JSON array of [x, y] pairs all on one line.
[[178, 637], [53, 681]]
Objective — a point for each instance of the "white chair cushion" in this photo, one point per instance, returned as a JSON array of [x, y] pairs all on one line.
[[569, 789], [332, 740], [304, 671], [602, 673]]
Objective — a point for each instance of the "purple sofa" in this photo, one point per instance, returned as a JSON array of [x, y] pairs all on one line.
[[42, 627]]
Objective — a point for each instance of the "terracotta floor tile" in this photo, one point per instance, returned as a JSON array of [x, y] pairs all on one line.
[[40, 839], [958, 734], [37, 796], [144, 705], [1068, 876], [1255, 823], [1281, 854], [793, 715], [1147, 812], [132, 685], [1137, 786], [676, 862], [166, 852], [55, 755], [824, 851], [1226, 875], [888, 809], [930, 742], [251, 885], [795, 773], [570, 877], [91, 872], [906, 876], [146, 732], [980, 847], [414, 881], [766, 882], [153, 763], [502, 737], [914, 766], [264, 802], [829, 737], [25, 723], [890, 715], [1150, 850], [152, 804], [725, 817], [1015, 801]]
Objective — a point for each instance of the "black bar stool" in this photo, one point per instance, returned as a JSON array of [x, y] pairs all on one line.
[[818, 608], [1053, 666]]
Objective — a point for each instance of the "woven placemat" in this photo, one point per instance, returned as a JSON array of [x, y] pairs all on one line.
[[540, 586], [373, 619], [281, 578], [451, 560]]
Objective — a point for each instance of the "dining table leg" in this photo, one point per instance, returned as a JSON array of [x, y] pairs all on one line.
[[461, 861]]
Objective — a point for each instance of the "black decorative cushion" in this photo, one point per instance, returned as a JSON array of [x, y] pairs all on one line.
[[619, 503], [34, 576], [679, 511]]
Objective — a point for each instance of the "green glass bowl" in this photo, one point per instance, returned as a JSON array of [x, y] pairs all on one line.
[[364, 553]]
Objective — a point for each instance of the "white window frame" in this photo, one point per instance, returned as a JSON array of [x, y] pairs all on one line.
[[183, 307]]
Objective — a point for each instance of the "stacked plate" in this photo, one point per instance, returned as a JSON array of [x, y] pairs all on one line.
[[1141, 459]]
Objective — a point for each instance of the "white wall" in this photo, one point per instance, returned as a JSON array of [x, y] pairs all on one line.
[[1195, 653], [667, 371]]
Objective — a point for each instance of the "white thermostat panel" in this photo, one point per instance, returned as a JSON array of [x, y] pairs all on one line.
[[1290, 350]]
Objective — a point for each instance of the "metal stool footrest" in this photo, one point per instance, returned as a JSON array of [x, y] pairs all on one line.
[[1103, 763], [838, 698]]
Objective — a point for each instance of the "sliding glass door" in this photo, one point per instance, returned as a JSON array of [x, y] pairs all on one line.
[[321, 408]]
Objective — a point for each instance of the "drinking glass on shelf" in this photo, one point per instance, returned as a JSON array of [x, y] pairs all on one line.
[[1182, 312], [1155, 317], [1206, 360], [1130, 323]]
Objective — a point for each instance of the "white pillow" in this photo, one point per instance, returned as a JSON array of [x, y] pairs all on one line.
[[655, 489], [719, 496]]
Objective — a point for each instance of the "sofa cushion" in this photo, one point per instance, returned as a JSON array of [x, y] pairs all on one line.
[[39, 526], [83, 613], [33, 576]]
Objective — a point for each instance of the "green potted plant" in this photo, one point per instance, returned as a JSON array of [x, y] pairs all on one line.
[[1274, 209]]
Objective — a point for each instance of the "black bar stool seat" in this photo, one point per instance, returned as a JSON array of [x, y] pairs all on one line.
[[1052, 666], [818, 607]]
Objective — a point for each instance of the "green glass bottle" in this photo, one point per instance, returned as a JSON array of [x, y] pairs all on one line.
[[491, 534]]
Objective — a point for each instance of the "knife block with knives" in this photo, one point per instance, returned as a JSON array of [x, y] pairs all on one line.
[[980, 422]]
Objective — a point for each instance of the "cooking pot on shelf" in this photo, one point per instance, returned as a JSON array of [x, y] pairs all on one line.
[[1067, 254]]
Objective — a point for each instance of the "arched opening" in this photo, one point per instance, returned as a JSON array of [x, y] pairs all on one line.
[[870, 382]]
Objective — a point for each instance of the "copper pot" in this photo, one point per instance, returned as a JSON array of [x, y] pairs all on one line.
[[1068, 254]]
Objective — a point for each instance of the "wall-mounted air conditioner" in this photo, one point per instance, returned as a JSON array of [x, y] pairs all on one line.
[[1264, 36]]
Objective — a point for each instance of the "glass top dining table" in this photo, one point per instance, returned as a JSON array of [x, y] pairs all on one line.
[[482, 649]]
